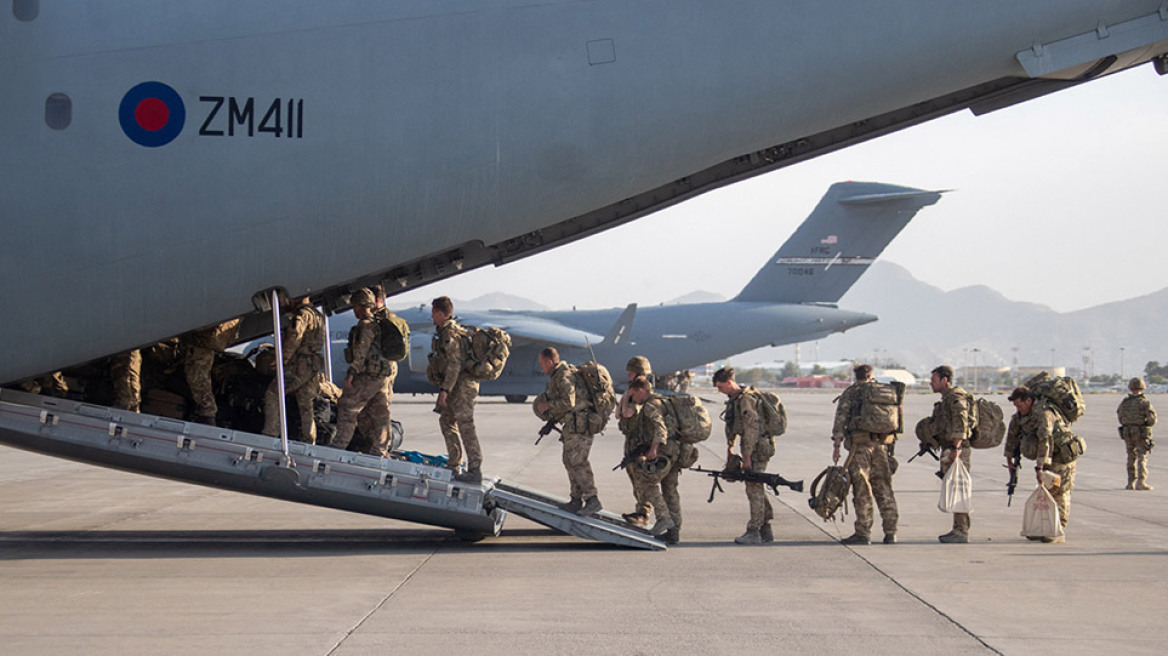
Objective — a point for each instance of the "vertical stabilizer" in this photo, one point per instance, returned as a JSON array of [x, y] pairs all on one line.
[[850, 227]]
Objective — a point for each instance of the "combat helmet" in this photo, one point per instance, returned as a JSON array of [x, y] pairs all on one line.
[[1136, 384], [362, 297], [639, 365]]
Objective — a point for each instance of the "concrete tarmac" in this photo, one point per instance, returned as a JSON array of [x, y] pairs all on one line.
[[95, 561]]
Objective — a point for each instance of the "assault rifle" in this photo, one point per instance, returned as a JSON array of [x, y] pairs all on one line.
[[773, 481], [547, 429], [631, 457], [1015, 463], [926, 448]]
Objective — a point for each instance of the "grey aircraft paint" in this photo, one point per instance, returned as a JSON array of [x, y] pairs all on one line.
[[166, 163], [791, 299]]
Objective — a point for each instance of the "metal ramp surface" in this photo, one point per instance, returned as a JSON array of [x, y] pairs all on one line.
[[544, 509]]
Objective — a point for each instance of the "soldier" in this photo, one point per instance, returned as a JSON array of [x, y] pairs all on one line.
[[654, 461], [1136, 418], [683, 381], [628, 417], [867, 465], [562, 404], [457, 394], [302, 339], [126, 376], [364, 384], [199, 349], [744, 424], [952, 423], [1033, 432], [366, 421], [49, 385]]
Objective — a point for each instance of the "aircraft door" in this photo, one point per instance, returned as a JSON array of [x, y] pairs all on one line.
[[419, 351]]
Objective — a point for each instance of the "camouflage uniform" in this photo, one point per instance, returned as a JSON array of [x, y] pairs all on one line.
[[630, 427], [744, 422], [303, 341], [51, 385], [126, 375], [1136, 418], [199, 349], [655, 491], [868, 465], [571, 411], [367, 376], [951, 421], [457, 419], [1034, 435]]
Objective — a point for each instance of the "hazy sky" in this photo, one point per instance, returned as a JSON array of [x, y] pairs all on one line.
[[1059, 201]]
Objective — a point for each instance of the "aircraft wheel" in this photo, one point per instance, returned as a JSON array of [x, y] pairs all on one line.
[[515, 398]]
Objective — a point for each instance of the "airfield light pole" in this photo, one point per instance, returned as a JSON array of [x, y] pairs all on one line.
[[975, 371], [1121, 364], [1052, 362]]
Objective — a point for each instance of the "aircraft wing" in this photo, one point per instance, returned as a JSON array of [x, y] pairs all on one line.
[[536, 329]]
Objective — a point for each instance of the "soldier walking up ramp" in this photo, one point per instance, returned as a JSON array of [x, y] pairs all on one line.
[[310, 474]]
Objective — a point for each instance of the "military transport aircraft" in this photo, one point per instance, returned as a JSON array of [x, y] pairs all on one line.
[[168, 165], [791, 299]]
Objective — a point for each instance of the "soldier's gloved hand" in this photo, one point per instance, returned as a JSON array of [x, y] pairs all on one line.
[[835, 453]]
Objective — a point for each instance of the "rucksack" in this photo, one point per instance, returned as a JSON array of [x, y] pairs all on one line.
[[826, 500], [880, 408], [395, 335], [593, 379], [693, 420], [1061, 394], [485, 352], [771, 412], [990, 426]]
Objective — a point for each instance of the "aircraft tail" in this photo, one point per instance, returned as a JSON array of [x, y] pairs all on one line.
[[850, 227]]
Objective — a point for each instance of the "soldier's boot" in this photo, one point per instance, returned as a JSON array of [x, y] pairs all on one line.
[[672, 536], [889, 538], [636, 519], [1131, 482], [1142, 484], [591, 505], [953, 537], [662, 526], [856, 538], [1058, 539], [751, 536], [573, 505], [766, 533], [470, 476]]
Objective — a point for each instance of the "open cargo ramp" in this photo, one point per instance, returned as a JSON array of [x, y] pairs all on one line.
[[305, 473]]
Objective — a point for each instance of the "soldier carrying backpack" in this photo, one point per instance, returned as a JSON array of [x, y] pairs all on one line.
[[868, 416], [569, 403], [753, 419]]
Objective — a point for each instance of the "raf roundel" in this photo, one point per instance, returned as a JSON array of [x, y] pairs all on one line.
[[152, 114]]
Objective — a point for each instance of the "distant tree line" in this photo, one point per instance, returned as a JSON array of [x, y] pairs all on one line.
[[1155, 373]]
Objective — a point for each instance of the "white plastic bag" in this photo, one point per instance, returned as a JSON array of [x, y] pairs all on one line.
[[956, 489], [1040, 517]]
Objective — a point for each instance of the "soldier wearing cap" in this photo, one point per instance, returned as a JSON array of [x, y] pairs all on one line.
[[302, 339], [364, 386], [1136, 418]]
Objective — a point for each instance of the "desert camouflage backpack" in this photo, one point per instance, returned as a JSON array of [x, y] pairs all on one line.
[[829, 492], [693, 420], [1061, 394], [771, 412], [485, 352], [880, 408], [989, 424], [593, 379]]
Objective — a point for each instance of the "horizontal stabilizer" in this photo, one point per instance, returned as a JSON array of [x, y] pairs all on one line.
[[850, 227]]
